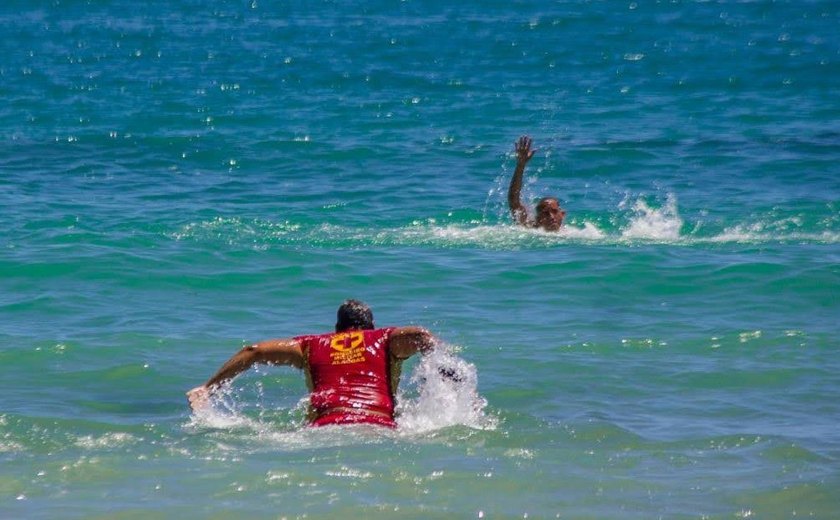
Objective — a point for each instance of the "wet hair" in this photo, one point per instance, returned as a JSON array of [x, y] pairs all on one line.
[[545, 200], [353, 314]]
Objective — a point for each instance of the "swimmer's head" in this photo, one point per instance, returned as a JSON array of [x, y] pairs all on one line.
[[549, 214], [353, 314]]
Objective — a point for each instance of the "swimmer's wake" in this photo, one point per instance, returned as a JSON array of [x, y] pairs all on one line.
[[442, 392]]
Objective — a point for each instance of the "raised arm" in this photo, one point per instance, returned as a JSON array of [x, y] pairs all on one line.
[[523, 155], [273, 352]]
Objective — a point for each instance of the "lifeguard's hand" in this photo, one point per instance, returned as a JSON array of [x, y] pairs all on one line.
[[199, 398], [523, 149]]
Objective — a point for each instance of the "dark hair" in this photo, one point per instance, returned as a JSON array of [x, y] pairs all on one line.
[[353, 314]]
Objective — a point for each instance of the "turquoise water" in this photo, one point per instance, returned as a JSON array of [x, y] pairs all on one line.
[[179, 178]]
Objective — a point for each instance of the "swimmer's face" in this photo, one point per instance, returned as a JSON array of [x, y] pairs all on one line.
[[549, 214]]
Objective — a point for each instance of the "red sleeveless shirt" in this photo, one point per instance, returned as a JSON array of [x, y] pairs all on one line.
[[350, 377]]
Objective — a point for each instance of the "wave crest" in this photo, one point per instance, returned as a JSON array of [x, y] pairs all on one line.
[[636, 223]]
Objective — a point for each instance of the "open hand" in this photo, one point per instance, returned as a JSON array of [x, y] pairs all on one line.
[[199, 398], [523, 149]]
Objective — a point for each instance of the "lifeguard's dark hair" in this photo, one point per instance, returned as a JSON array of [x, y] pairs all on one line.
[[353, 314]]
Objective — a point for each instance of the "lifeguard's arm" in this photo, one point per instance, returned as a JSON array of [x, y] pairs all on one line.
[[272, 352], [407, 341], [523, 155]]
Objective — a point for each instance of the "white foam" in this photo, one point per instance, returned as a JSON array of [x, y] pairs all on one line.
[[109, 440], [644, 222], [431, 402], [654, 223], [589, 231], [761, 232], [222, 413], [442, 400], [488, 236], [742, 233], [10, 447]]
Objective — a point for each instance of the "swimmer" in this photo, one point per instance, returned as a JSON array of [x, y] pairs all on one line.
[[549, 213], [352, 373]]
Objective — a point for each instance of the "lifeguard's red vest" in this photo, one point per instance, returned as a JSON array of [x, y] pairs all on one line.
[[350, 371]]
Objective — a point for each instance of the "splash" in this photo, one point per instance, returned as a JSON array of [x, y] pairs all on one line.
[[654, 223], [224, 413], [447, 395], [442, 393], [641, 222], [494, 237], [589, 231], [106, 441]]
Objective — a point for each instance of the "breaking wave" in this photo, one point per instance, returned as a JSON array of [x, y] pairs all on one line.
[[636, 222]]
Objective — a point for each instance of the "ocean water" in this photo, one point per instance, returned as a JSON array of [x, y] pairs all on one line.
[[180, 178]]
